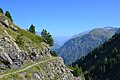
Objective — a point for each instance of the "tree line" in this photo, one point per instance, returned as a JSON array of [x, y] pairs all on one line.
[[44, 34]]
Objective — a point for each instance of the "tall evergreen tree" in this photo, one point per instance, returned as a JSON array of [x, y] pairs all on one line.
[[1, 11], [7, 13], [32, 29], [47, 37]]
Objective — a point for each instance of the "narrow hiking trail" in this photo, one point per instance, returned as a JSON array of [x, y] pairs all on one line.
[[7, 74]]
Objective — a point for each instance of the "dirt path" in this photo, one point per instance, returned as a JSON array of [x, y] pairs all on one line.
[[1, 76]]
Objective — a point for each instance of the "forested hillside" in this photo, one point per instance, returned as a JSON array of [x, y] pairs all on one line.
[[103, 63]]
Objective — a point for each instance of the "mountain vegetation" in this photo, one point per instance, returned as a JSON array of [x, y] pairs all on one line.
[[103, 63], [1, 11], [53, 53], [7, 13], [47, 37], [32, 29], [82, 44]]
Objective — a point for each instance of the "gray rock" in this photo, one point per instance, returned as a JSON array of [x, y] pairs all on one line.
[[13, 28], [6, 23]]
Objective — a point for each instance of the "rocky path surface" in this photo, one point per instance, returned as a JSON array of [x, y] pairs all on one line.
[[7, 74]]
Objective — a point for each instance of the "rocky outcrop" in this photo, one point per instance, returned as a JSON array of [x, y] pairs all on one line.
[[7, 23], [12, 57], [13, 28], [9, 54], [54, 70]]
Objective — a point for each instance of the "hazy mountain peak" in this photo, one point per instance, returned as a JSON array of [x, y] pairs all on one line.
[[78, 46], [118, 31]]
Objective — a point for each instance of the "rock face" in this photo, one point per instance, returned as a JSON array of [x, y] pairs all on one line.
[[8, 54], [54, 70], [12, 57], [81, 45], [6, 23]]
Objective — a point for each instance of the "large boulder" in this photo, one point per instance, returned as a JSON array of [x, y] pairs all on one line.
[[6, 23], [13, 28]]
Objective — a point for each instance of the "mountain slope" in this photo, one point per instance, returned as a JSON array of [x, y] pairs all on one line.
[[25, 56], [103, 63], [81, 45], [58, 42]]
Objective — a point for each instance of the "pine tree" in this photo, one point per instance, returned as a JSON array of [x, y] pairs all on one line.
[[8, 15], [1, 11], [47, 37], [53, 53], [77, 71], [32, 29]]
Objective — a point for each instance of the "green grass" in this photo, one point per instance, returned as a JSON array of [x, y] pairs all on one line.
[[1, 30], [13, 77], [28, 75], [34, 39], [11, 32], [29, 38]]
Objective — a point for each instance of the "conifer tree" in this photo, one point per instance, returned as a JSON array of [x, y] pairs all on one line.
[[1, 11], [47, 37], [32, 29], [7, 13]]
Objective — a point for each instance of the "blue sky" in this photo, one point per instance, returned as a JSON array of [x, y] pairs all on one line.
[[64, 17]]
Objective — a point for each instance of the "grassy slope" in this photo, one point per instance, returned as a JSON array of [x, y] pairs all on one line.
[[27, 36]]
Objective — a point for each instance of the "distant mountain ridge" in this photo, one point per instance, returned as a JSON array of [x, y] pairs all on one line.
[[78, 46], [58, 41], [103, 63], [80, 34]]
